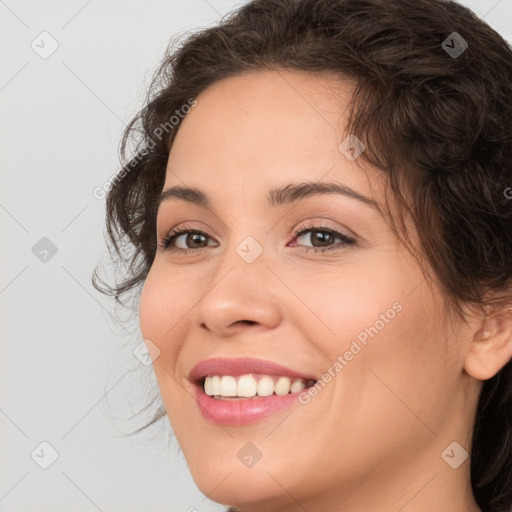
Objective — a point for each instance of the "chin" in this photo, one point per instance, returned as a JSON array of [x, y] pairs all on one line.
[[223, 478], [232, 487]]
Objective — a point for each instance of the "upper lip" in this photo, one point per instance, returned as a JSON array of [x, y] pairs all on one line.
[[242, 366]]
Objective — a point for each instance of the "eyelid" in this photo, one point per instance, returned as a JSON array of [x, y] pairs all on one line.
[[181, 229], [301, 230], [346, 240], [182, 226], [323, 225]]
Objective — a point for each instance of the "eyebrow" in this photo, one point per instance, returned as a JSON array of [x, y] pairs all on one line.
[[276, 197]]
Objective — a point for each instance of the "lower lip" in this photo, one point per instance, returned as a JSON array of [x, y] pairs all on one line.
[[242, 411]]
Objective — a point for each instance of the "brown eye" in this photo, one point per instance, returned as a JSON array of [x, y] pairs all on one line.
[[322, 239], [190, 239]]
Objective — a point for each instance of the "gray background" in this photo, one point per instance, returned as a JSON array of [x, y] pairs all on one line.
[[67, 371]]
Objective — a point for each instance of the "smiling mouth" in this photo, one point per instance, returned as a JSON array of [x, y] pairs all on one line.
[[252, 386]]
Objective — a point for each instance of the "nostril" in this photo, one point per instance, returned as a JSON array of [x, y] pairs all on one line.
[[249, 322]]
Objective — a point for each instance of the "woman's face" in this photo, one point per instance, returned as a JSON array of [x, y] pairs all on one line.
[[352, 312]]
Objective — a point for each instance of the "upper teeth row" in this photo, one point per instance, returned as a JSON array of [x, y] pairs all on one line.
[[247, 386]]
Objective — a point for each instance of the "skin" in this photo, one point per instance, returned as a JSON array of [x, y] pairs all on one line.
[[372, 438]]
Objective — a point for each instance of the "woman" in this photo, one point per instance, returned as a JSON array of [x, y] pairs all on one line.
[[317, 224]]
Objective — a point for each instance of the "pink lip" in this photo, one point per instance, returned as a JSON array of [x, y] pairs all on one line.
[[247, 410]]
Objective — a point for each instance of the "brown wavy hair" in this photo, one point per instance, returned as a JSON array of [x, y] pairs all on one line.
[[439, 126]]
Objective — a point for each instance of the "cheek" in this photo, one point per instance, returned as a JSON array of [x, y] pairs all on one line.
[[405, 368], [351, 302], [162, 313], [384, 323], [163, 319]]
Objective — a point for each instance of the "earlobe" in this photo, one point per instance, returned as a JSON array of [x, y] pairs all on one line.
[[491, 348]]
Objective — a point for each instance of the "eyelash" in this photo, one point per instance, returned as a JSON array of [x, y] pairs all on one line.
[[165, 245]]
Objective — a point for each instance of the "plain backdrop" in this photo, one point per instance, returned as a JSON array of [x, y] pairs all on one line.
[[72, 74]]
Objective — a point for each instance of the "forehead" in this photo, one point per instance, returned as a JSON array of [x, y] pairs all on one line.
[[271, 125], [302, 103]]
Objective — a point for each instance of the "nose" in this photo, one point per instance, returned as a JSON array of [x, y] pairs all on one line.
[[240, 295]]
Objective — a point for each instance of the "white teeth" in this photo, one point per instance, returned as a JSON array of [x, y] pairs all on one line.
[[212, 385], [265, 386], [215, 385], [208, 386], [246, 386], [227, 386], [297, 386], [282, 386]]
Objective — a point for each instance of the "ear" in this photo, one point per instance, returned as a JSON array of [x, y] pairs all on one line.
[[491, 348]]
